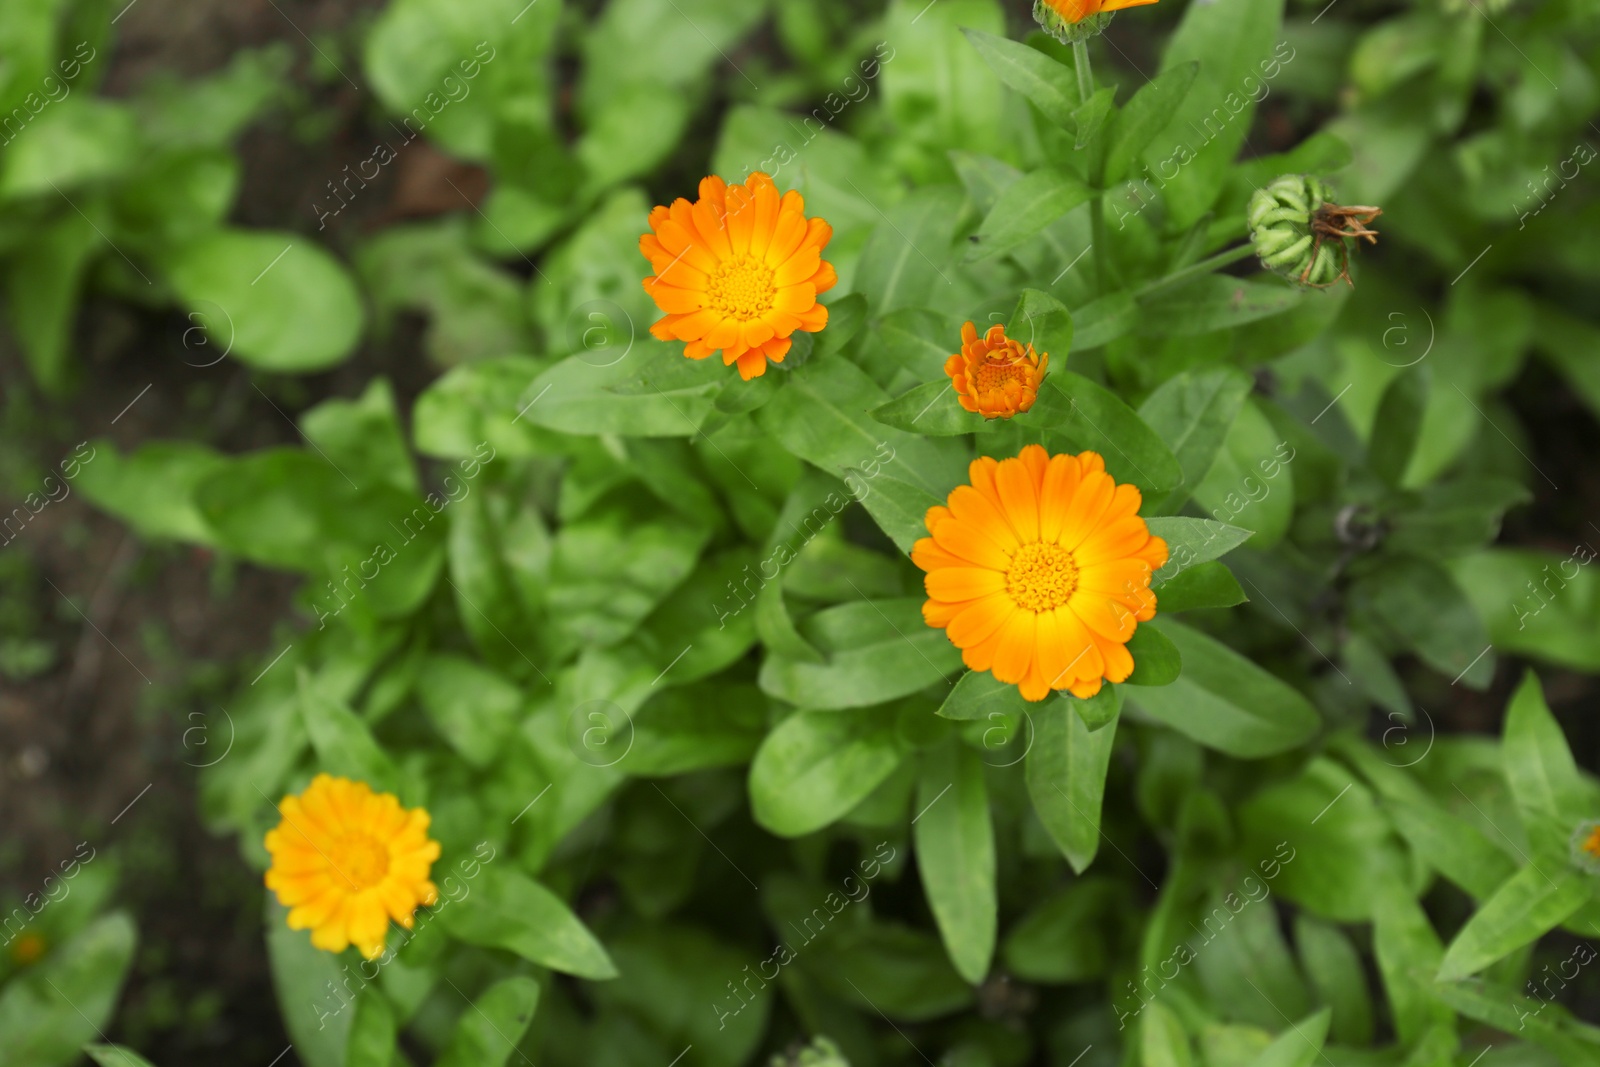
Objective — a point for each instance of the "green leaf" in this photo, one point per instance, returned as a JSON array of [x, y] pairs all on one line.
[[1337, 977], [821, 416], [426, 58], [50, 1010], [980, 695], [1099, 710], [777, 630], [1026, 207], [846, 316], [1051, 86], [1544, 780], [42, 281], [1226, 702], [1418, 605], [1442, 839], [1105, 319], [882, 967], [877, 650], [372, 1032], [615, 566], [1156, 660], [1335, 833], [1191, 542], [1162, 1040], [1408, 953], [487, 1033], [344, 745], [473, 708], [513, 912], [1065, 938], [817, 765], [932, 409], [115, 1056], [1512, 1011], [307, 983], [1091, 116], [1205, 585], [919, 340], [75, 141], [485, 591], [1399, 422], [1066, 775], [1298, 1046], [652, 392], [239, 282], [1534, 606], [899, 508], [1192, 412], [1145, 114], [1529, 905], [1250, 483], [153, 489], [1045, 323], [675, 981], [956, 855], [1213, 302], [691, 728], [1235, 50], [1089, 416], [363, 438], [907, 259]]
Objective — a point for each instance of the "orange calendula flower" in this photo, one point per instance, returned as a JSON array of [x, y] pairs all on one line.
[[738, 270], [346, 860], [1074, 11], [1040, 570], [994, 375]]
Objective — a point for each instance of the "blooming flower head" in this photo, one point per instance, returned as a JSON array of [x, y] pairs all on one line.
[[738, 270], [1039, 570], [1069, 20], [994, 375], [346, 860]]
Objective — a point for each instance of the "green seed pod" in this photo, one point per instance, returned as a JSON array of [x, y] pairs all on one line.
[[1067, 32], [1299, 233], [820, 1053]]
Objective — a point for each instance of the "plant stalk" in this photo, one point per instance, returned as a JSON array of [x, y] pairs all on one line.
[[1097, 210], [1194, 270]]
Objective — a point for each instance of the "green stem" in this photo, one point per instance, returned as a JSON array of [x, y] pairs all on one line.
[[1080, 57], [1097, 212], [1194, 270]]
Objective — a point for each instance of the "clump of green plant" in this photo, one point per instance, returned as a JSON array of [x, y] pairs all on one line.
[[650, 641]]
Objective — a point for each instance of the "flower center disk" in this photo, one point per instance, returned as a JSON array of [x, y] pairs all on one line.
[[1042, 576], [995, 376], [363, 860], [742, 288]]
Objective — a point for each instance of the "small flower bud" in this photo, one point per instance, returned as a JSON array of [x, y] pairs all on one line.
[[1301, 234], [1586, 846]]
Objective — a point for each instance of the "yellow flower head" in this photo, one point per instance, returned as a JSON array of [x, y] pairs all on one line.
[[994, 375], [738, 270], [1039, 570], [346, 860]]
